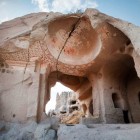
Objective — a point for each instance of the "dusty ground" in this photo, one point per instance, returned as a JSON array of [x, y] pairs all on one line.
[[100, 132], [50, 130]]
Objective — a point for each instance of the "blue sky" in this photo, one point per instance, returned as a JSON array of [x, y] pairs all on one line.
[[128, 10]]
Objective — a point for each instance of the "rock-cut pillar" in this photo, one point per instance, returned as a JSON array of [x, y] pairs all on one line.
[[42, 94], [98, 98], [32, 103]]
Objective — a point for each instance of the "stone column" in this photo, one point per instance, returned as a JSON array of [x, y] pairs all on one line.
[[42, 93], [32, 104], [97, 96]]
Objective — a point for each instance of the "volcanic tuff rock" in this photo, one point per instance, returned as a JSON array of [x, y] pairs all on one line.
[[95, 55]]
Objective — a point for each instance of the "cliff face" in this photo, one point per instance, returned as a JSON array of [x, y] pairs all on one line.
[[62, 102], [95, 55]]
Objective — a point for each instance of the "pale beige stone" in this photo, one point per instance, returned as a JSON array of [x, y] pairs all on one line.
[[95, 55]]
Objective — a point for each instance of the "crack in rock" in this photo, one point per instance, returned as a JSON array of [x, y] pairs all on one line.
[[70, 34]]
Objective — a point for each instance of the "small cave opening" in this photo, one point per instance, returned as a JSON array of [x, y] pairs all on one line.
[[117, 104], [139, 96], [120, 74], [116, 100], [14, 115], [126, 116], [73, 102], [91, 107]]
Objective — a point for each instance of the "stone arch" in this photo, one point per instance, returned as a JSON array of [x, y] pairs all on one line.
[[80, 85]]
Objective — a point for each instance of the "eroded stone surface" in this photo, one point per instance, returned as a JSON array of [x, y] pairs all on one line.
[[95, 55], [99, 132], [28, 131], [67, 108]]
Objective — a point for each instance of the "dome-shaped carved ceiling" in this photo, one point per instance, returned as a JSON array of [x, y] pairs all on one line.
[[72, 40]]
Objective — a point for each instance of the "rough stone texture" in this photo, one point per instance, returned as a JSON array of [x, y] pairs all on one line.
[[99, 132], [66, 102], [18, 85], [32, 131], [72, 118], [28, 131], [67, 108], [95, 55], [62, 101], [43, 131]]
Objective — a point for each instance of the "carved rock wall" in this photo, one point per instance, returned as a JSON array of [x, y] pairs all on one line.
[[95, 55]]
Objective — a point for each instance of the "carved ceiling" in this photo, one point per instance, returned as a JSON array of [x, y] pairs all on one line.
[[68, 44]]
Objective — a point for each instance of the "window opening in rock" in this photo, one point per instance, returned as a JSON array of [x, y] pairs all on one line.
[[125, 116], [91, 107], [73, 102], [139, 97], [117, 104], [116, 100]]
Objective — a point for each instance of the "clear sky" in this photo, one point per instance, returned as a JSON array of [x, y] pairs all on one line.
[[125, 9]]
